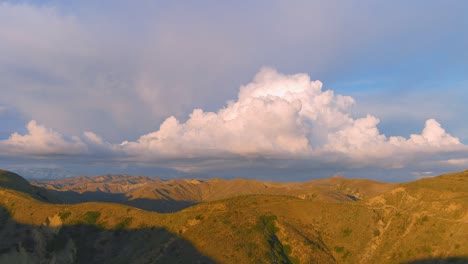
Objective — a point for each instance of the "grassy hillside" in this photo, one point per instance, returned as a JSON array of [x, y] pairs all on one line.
[[13, 181], [422, 220]]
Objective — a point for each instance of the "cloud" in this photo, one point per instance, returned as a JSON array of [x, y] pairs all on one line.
[[434, 135], [289, 117], [92, 66], [57, 67], [262, 121], [93, 138], [277, 121], [457, 162], [363, 137], [41, 141], [276, 115]]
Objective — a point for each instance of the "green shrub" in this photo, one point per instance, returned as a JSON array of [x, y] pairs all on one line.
[[287, 249], [267, 222], [125, 223], [346, 232], [339, 249], [91, 217], [424, 219], [64, 215]]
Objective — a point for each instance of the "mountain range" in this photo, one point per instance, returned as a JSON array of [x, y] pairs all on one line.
[[138, 219]]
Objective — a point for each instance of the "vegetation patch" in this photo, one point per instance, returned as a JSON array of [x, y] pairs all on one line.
[[423, 219], [278, 253], [346, 232], [91, 217], [125, 223], [64, 215], [339, 249], [267, 223], [376, 232]]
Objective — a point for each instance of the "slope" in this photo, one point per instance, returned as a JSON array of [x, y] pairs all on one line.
[[425, 219]]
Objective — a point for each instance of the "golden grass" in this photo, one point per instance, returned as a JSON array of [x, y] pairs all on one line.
[[422, 219]]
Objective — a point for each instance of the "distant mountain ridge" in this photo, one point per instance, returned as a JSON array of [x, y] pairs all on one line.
[[172, 195], [42, 173]]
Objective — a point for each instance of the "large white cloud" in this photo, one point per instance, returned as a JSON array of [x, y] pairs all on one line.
[[40, 141], [286, 117], [276, 116], [94, 67]]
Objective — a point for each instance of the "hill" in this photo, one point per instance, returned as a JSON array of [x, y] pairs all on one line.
[[13, 181], [172, 195], [425, 220]]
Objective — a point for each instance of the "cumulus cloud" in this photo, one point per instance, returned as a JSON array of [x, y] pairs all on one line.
[[119, 67], [41, 141], [434, 135], [286, 117], [275, 117], [363, 137], [255, 124]]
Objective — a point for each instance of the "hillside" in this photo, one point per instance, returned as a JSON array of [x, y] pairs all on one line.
[[13, 181], [172, 195], [425, 221]]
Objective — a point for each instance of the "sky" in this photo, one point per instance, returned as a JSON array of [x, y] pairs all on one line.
[[272, 90]]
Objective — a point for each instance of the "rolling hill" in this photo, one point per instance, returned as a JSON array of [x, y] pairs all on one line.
[[154, 194], [347, 221]]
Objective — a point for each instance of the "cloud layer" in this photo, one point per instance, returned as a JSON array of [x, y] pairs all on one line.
[[275, 117], [98, 66], [118, 70]]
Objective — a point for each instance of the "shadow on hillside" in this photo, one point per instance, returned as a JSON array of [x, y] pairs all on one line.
[[15, 182], [449, 260], [82, 243], [155, 205]]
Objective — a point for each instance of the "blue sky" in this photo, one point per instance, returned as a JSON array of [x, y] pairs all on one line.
[[120, 69]]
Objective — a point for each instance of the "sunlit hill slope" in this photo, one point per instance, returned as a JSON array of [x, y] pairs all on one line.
[[333, 220]]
